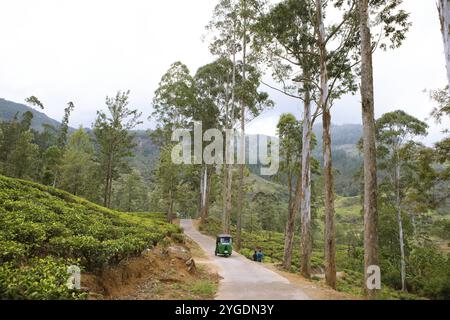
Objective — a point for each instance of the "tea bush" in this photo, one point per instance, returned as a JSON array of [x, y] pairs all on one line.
[[43, 230], [41, 279]]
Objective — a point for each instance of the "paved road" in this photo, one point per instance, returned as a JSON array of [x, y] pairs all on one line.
[[244, 279]]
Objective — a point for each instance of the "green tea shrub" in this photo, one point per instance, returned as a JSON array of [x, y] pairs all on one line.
[[42, 229], [42, 279]]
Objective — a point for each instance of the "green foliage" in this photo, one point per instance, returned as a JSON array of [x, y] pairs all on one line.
[[43, 279], [130, 193], [173, 101], [391, 20], [442, 110], [79, 173], [290, 135], [34, 102], [23, 156], [114, 140], [269, 212], [429, 273], [18, 153], [64, 129], [51, 159], [441, 228], [42, 229], [12, 250]]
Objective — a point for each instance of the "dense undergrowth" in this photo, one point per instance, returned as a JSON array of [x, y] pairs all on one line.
[[44, 230]]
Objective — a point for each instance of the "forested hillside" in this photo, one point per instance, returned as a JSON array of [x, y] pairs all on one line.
[[347, 159], [10, 109]]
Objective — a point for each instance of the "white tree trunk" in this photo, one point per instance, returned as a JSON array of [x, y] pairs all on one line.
[[305, 208], [290, 225], [370, 161], [400, 225], [230, 147], [330, 241], [204, 186], [241, 191], [444, 17]]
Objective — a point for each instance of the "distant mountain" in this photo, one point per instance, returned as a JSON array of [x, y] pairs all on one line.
[[146, 154], [346, 158], [343, 134], [9, 109]]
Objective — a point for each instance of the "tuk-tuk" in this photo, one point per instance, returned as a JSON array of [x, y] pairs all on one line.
[[224, 245]]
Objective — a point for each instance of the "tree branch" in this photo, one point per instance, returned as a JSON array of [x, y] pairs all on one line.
[[282, 91]]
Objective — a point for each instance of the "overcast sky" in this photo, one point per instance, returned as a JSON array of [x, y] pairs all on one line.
[[82, 50]]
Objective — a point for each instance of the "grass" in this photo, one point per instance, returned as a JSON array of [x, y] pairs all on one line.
[[203, 288], [200, 286]]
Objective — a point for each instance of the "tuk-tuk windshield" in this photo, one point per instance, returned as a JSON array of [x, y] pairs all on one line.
[[226, 240]]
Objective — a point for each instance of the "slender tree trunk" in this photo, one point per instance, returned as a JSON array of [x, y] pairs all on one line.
[[239, 208], [290, 227], [108, 186], [170, 208], [202, 181], [224, 198], [228, 207], [224, 166], [110, 191], [330, 234], [54, 179], [105, 196], [370, 163], [289, 182], [228, 190], [305, 193], [203, 187], [400, 224], [444, 18], [330, 241], [208, 193], [241, 191]]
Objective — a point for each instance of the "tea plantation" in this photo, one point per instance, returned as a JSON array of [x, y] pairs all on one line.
[[44, 230]]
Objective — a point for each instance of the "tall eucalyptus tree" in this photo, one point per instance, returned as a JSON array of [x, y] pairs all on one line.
[[231, 28], [390, 23], [286, 36]]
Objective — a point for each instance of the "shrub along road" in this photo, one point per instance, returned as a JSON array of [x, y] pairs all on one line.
[[244, 279]]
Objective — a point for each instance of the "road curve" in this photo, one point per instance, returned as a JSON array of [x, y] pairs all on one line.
[[244, 279]]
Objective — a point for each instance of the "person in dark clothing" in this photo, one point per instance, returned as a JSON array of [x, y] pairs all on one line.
[[259, 256], [255, 256]]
